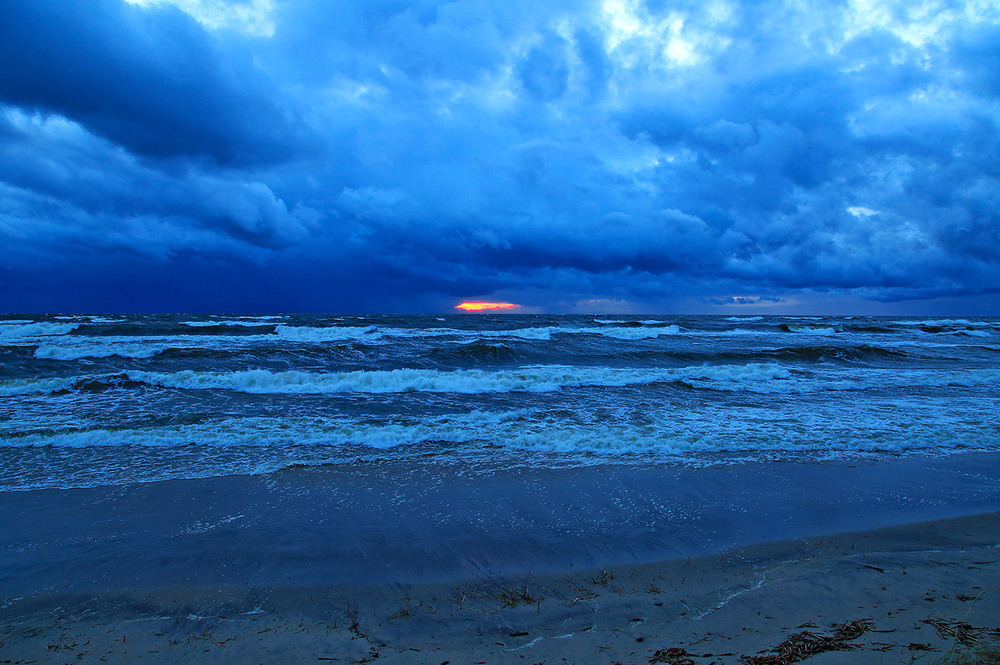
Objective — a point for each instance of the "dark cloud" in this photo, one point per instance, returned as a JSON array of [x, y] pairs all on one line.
[[409, 152], [150, 79]]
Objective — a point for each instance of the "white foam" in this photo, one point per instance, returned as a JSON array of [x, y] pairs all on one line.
[[35, 329], [638, 333], [98, 348], [607, 330], [331, 334], [282, 432], [670, 432], [951, 323], [539, 378], [972, 333], [249, 323], [268, 317], [815, 330], [101, 319], [35, 386]]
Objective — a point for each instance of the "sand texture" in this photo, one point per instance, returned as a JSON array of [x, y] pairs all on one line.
[[896, 595]]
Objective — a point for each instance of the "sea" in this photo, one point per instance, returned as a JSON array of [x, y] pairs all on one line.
[[256, 452], [89, 401]]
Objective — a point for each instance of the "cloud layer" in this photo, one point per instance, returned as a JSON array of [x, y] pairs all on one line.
[[381, 154]]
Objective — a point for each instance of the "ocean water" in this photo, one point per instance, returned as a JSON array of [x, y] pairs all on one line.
[[92, 401]]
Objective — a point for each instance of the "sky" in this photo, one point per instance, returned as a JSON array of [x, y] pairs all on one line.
[[702, 156]]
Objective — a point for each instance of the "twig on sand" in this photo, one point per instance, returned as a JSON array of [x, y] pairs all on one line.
[[604, 579], [207, 636]]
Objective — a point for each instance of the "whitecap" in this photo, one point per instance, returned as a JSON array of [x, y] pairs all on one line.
[[35, 386], [537, 378], [35, 329], [330, 334], [99, 349], [247, 323]]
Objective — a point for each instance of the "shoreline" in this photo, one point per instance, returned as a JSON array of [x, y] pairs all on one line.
[[895, 593], [406, 522]]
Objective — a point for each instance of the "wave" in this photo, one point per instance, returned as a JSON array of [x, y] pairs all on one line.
[[524, 437], [76, 347], [103, 319], [479, 351], [102, 349], [972, 333], [811, 330], [66, 384], [108, 382], [947, 323], [331, 334], [14, 387], [246, 323], [764, 378], [646, 332], [871, 329], [542, 378], [20, 330], [625, 332], [862, 352]]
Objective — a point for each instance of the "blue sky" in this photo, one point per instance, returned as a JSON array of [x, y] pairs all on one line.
[[390, 155]]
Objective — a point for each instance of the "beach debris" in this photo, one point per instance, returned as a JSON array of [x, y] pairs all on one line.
[[401, 613], [671, 656], [603, 579], [504, 593], [207, 636], [963, 633], [800, 646]]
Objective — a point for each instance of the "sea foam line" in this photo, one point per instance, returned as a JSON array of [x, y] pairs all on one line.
[[540, 378], [765, 378]]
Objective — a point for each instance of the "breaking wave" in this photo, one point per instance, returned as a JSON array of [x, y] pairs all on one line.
[[541, 378], [22, 330]]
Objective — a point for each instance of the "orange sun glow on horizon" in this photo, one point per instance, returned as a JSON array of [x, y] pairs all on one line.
[[480, 306]]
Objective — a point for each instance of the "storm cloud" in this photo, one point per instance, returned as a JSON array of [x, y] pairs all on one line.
[[710, 156]]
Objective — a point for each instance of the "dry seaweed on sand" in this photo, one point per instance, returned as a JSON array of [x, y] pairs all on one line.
[[800, 646], [504, 593], [963, 633], [671, 656]]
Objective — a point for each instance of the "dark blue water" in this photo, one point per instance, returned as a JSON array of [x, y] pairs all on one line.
[[95, 401]]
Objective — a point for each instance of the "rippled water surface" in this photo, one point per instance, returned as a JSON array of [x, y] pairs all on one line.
[[103, 400]]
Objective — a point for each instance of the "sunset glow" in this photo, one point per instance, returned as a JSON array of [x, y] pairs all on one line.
[[480, 306]]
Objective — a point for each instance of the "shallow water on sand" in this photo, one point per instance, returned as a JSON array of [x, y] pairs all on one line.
[[409, 521]]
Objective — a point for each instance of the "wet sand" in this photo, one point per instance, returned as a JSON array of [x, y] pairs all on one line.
[[901, 594], [424, 563]]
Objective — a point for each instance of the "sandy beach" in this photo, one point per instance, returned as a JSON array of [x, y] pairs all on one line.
[[895, 595]]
